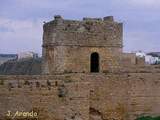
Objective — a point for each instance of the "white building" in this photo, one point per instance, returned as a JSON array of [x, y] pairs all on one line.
[[140, 54], [149, 59], [24, 55]]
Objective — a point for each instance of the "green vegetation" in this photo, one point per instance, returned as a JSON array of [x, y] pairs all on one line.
[[148, 118]]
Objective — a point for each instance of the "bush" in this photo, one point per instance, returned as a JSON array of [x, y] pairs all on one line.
[[157, 118], [148, 118]]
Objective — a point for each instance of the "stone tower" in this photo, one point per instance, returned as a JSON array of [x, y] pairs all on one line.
[[90, 45]]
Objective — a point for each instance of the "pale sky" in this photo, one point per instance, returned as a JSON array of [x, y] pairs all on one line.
[[21, 21]]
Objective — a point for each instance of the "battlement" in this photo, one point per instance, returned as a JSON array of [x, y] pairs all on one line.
[[105, 19], [89, 31], [59, 19]]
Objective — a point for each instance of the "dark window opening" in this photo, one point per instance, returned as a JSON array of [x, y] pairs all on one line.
[[94, 62]]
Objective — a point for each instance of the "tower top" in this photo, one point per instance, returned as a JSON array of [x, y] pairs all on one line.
[[88, 32]]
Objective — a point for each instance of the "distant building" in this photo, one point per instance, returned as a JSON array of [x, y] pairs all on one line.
[[140, 54], [149, 58], [24, 55], [154, 54], [5, 57]]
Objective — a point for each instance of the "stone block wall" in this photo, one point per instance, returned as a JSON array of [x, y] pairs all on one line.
[[124, 96], [52, 98], [128, 59], [75, 59], [140, 61], [82, 96], [68, 44], [144, 94]]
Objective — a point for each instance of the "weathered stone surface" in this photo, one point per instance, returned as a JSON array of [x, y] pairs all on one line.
[[25, 95], [120, 90], [68, 44], [111, 96]]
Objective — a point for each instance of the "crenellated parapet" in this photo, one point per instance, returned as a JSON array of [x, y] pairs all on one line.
[[88, 32]]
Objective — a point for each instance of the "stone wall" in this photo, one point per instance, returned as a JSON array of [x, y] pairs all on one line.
[[125, 96], [52, 98], [68, 44], [67, 59], [144, 94], [82, 96], [128, 59]]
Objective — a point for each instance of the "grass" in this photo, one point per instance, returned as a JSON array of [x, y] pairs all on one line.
[[148, 118]]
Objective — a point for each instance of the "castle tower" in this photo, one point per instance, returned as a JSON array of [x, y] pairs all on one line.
[[91, 45]]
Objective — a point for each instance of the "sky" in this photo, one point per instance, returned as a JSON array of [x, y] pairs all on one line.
[[21, 21]]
